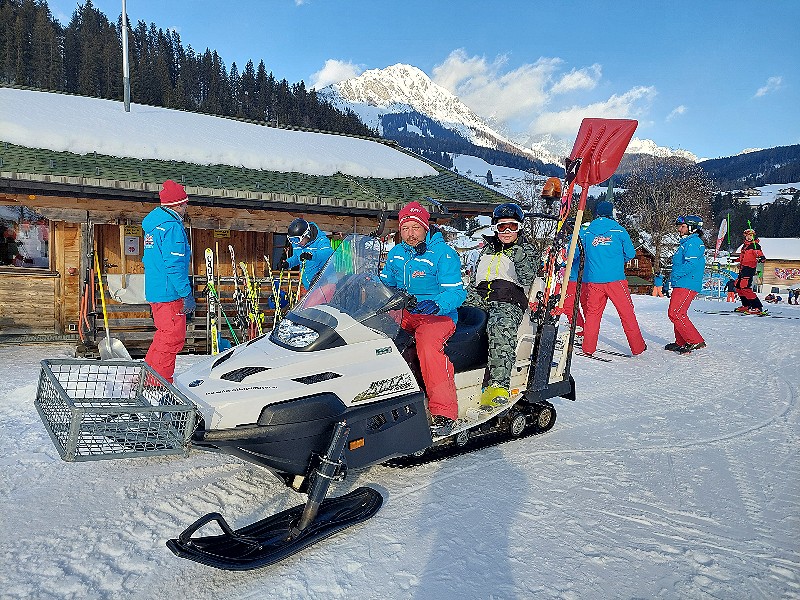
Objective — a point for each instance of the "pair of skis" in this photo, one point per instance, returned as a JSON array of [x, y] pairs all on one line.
[[215, 307], [246, 297]]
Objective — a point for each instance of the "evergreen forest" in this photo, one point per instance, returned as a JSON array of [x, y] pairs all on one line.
[[85, 58]]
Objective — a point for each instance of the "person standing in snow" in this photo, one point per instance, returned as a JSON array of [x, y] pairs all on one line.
[[425, 266], [688, 265], [572, 287], [607, 246], [748, 260], [167, 287], [505, 271], [730, 291], [658, 284], [310, 249]]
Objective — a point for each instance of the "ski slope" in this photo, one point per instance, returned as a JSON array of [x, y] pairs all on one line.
[[670, 476]]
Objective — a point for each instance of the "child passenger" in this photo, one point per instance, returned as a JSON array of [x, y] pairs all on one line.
[[505, 271]]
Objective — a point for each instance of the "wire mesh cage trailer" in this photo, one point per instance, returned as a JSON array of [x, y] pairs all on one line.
[[97, 410]]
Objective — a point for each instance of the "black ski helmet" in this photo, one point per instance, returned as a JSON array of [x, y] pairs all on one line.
[[509, 210], [694, 224], [299, 228]]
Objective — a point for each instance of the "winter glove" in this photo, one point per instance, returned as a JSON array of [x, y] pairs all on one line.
[[426, 307], [306, 256], [762, 259], [188, 305], [283, 264]]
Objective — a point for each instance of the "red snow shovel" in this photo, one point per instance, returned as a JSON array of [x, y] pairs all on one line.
[[595, 156]]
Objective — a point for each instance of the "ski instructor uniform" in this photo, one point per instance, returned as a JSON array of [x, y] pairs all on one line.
[[607, 246], [425, 266], [748, 259], [166, 277], [688, 265]]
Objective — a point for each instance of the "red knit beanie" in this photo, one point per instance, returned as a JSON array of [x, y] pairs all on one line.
[[172, 193], [414, 211]]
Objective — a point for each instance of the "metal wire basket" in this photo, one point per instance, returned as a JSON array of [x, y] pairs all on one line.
[[97, 410]]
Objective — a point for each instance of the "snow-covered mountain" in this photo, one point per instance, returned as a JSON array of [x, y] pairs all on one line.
[[401, 101], [403, 104]]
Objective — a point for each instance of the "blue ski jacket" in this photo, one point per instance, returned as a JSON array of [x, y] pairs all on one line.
[[320, 250], [433, 275], [608, 247], [166, 256], [689, 263]]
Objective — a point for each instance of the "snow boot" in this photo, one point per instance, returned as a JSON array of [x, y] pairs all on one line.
[[673, 346], [494, 396], [741, 309], [441, 426], [760, 312]]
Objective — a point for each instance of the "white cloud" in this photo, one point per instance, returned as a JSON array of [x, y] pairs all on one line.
[[488, 91], [566, 122], [676, 112], [578, 79], [334, 71], [773, 84]]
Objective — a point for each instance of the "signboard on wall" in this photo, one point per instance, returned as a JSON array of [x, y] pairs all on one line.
[[222, 234], [131, 245]]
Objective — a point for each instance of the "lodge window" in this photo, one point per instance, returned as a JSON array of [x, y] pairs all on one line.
[[24, 238], [278, 242]]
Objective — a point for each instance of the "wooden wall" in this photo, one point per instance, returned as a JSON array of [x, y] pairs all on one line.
[[27, 302], [38, 302]]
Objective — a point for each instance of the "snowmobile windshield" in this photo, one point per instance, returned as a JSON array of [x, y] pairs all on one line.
[[350, 283]]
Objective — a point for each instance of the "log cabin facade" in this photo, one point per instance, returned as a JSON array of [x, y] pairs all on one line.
[[57, 208]]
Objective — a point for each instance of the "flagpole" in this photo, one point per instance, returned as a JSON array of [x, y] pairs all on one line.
[[126, 76]]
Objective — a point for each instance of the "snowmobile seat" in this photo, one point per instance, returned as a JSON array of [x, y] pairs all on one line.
[[468, 347]]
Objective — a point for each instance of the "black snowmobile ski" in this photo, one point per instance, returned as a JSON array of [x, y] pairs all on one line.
[[274, 538]]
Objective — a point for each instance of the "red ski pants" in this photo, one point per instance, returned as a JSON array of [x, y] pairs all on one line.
[[685, 331], [431, 332], [569, 303], [594, 303], [169, 338]]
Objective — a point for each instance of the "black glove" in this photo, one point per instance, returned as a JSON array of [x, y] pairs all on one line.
[[188, 305], [425, 307], [306, 256], [283, 264], [762, 259]]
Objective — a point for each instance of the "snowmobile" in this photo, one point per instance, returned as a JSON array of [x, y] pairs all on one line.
[[332, 388]]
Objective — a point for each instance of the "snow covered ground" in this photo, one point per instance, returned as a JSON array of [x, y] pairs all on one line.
[[670, 476]]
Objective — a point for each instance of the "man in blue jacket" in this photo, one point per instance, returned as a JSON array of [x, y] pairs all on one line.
[[166, 277], [607, 246], [310, 250], [425, 266], [688, 265]]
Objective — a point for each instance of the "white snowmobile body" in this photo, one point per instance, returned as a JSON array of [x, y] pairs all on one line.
[[338, 357]]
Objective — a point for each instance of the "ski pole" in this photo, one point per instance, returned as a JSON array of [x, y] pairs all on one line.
[[219, 303], [300, 281]]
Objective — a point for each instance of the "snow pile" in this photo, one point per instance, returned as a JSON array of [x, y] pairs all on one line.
[[670, 476], [81, 125]]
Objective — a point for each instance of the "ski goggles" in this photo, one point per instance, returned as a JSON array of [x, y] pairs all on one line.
[[680, 221], [512, 226]]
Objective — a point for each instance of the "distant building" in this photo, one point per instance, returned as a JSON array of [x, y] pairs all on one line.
[[782, 267]]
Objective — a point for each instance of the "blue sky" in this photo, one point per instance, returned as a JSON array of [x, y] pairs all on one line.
[[710, 76]]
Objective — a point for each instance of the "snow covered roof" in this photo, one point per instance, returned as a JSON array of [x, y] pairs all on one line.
[[779, 248], [83, 125]]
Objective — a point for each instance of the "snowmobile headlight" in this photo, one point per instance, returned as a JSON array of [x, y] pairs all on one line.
[[294, 334]]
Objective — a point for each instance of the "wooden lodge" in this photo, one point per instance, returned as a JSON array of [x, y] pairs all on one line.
[[57, 208]]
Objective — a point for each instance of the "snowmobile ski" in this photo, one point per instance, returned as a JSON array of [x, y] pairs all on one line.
[[272, 539]]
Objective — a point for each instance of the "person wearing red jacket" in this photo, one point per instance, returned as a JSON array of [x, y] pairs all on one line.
[[748, 259]]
